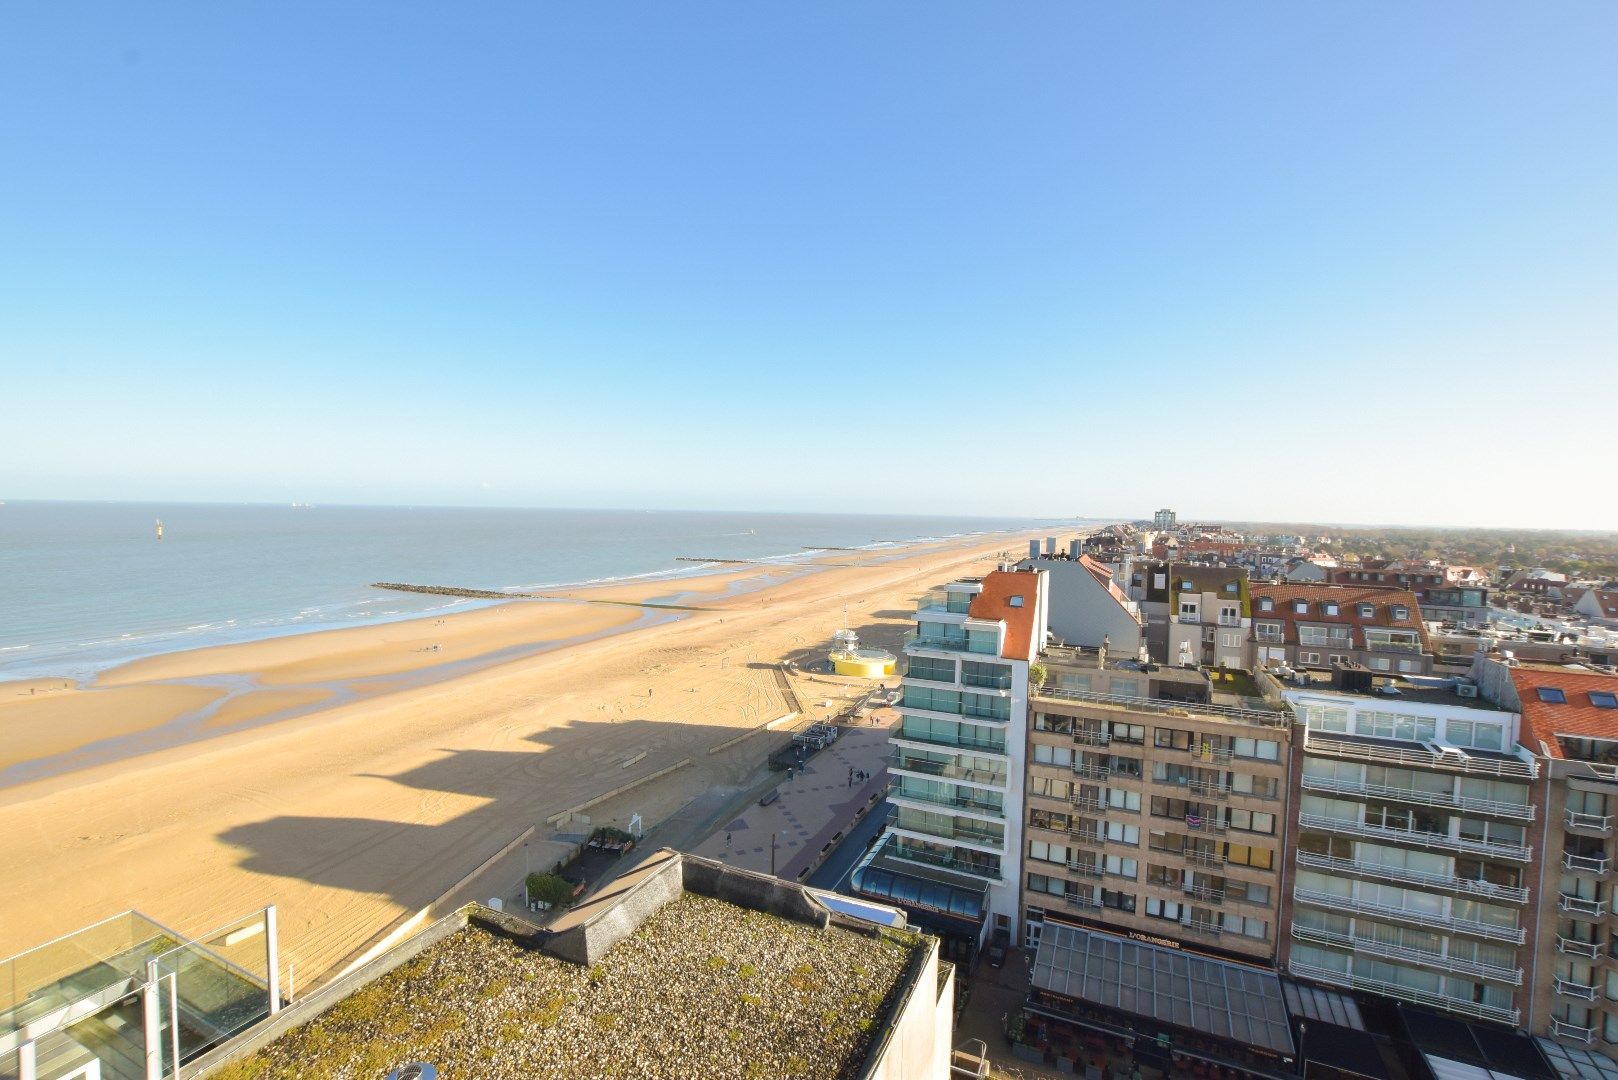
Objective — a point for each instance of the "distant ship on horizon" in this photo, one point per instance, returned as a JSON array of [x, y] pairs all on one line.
[[160, 528]]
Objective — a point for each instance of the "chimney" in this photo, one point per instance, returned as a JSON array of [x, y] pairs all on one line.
[[1033, 549], [1073, 547], [1050, 545]]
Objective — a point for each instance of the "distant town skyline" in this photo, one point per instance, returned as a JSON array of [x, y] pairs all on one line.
[[1287, 262]]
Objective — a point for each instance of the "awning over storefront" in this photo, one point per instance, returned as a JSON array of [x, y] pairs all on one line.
[[1457, 1050], [1227, 1001]]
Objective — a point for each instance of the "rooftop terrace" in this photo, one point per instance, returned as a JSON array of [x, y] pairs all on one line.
[[700, 987]]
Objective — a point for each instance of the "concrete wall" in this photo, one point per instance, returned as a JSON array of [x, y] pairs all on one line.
[[918, 1041], [585, 934]]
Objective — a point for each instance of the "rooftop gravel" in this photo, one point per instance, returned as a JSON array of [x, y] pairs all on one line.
[[703, 988]]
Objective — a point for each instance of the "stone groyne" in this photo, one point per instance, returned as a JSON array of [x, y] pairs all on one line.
[[450, 590]]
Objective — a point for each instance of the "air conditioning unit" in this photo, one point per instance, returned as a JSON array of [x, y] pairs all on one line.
[[1466, 690]]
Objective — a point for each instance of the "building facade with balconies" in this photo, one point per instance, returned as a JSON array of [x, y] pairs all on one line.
[[1570, 721], [950, 852], [1150, 812], [1415, 846], [1313, 627]]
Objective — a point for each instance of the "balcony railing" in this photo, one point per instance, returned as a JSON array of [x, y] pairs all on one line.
[[952, 742], [1386, 951], [1206, 893], [1600, 823], [1394, 646], [1516, 811], [1419, 758], [1210, 752], [1086, 869], [1208, 789], [1202, 926], [1569, 988], [1200, 857], [986, 682], [1091, 772], [1417, 837], [1169, 708], [953, 802], [1574, 947], [1591, 865], [1461, 1006], [1580, 905], [962, 829], [949, 644], [1087, 836], [947, 770], [1088, 803], [1400, 875], [1564, 1030], [962, 863], [1514, 934], [1091, 738]]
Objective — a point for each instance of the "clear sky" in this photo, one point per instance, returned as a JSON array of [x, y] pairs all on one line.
[[1346, 262]]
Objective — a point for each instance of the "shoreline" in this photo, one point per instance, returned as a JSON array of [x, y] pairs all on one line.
[[224, 689], [353, 814], [342, 615]]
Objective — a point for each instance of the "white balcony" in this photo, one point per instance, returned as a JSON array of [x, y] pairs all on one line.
[[1091, 738], [1564, 1030], [1419, 758], [1091, 772], [1210, 752], [1568, 988], [1400, 875], [1589, 865], [1385, 951], [1514, 934], [1597, 823], [1515, 811], [1438, 841], [1460, 1006], [1574, 947], [1579, 905], [1206, 893]]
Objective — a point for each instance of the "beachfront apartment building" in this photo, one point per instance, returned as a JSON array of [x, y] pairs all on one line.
[[1416, 840], [1152, 814], [1314, 627], [950, 853]]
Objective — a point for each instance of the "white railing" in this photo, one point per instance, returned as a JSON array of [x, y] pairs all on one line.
[[1206, 892], [1170, 708], [1201, 858], [1519, 811], [1462, 1006], [1209, 752], [1574, 947], [1595, 865], [1601, 823], [1086, 869], [1568, 988], [1400, 875], [1091, 738], [1210, 789], [1091, 772], [1417, 837], [1596, 909], [1201, 926], [1386, 951], [1088, 803], [1413, 757], [1514, 934], [1087, 836], [1564, 1030]]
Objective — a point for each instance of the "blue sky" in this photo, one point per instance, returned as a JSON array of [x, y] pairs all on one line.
[[1353, 262]]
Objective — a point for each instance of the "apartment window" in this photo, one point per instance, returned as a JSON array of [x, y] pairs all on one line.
[[1068, 680], [1118, 901], [1186, 586], [1050, 789], [1331, 607], [1230, 639], [1119, 833], [1301, 607], [1256, 857], [1231, 587], [1160, 581], [1310, 658], [1166, 738], [1267, 631], [1127, 733], [1400, 612], [1119, 799], [1041, 884], [1046, 819], [1169, 910], [1338, 658], [1474, 733], [1188, 608], [1367, 611], [1229, 614], [1247, 926], [1061, 725], [1053, 755], [1118, 866], [1410, 667], [1266, 604], [1056, 853], [1252, 821], [1380, 663], [1553, 695]]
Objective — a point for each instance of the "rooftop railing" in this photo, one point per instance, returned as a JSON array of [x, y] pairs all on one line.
[[1498, 808], [1419, 757], [1159, 707]]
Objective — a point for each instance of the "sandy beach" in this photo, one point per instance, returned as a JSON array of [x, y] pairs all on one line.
[[351, 776]]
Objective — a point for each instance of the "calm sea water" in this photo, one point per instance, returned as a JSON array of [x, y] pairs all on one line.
[[84, 586]]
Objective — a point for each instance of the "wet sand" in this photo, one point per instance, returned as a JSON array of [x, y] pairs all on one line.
[[364, 806]]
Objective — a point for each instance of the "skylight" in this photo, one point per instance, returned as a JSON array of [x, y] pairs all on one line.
[[1604, 699], [1553, 695]]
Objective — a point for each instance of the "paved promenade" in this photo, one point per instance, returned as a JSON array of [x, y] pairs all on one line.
[[815, 807]]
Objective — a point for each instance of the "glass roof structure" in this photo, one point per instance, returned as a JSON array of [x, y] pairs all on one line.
[[1198, 993]]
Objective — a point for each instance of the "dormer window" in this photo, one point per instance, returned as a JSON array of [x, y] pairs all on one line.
[[1266, 604], [1367, 610], [1186, 586], [1331, 608], [1231, 587], [1301, 607], [1401, 612]]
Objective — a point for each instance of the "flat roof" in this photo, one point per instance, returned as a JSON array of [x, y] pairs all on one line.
[[1199, 993], [703, 987], [1408, 691]]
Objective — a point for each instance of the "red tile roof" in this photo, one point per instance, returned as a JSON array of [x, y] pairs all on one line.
[[994, 602], [1348, 599], [1543, 721]]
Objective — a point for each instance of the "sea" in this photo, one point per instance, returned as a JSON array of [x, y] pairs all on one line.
[[87, 586]]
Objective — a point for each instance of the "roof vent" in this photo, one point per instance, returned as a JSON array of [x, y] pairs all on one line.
[[418, 1071]]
